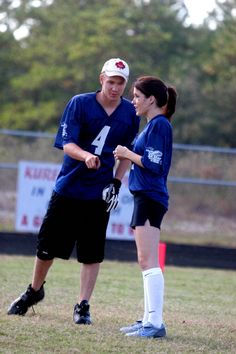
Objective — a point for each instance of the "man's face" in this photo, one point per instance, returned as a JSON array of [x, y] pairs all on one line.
[[112, 86]]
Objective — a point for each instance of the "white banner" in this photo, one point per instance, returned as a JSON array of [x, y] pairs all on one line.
[[34, 187]]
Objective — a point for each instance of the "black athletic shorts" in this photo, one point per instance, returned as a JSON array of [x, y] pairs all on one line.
[[69, 223], [145, 209]]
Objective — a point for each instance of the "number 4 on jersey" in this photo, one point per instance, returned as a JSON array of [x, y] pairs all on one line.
[[100, 139]]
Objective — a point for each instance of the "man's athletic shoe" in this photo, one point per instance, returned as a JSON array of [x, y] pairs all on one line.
[[81, 313], [149, 331], [29, 298], [132, 328]]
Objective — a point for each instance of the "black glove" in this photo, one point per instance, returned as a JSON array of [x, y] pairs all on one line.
[[110, 194]]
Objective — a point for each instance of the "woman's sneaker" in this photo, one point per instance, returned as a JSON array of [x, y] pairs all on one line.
[[29, 298], [132, 328], [81, 313], [149, 331]]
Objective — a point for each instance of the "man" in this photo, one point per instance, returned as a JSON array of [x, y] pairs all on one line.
[[91, 127]]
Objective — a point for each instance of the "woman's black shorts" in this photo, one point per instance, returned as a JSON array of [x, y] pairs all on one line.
[[69, 223], [145, 209]]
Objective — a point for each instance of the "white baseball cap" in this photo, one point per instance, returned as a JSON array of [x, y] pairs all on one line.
[[116, 67]]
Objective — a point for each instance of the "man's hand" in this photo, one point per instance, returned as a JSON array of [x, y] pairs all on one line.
[[92, 161], [110, 194]]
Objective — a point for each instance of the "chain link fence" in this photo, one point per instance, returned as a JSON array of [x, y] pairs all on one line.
[[202, 187]]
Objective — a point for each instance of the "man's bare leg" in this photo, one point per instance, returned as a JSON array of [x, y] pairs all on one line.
[[41, 268], [34, 292], [88, 277]]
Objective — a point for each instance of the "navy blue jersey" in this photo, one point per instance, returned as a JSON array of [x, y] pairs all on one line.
[[154, 144], [86, 124]]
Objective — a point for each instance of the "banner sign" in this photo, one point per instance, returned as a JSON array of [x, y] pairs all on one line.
[[34, 187]]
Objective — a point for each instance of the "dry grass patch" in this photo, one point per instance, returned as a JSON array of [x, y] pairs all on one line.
[[199, 311]]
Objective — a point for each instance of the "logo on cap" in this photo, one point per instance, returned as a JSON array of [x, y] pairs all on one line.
[[120, 65]]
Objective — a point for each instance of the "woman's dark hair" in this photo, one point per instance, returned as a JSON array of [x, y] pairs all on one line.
[[164, 95]]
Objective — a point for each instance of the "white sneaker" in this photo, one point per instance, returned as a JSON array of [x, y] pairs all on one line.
[[132, 328], [149, 331]]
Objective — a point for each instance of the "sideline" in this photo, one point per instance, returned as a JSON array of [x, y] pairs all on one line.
[[176, 254]]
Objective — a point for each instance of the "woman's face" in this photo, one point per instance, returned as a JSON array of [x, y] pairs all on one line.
[[141, 103]]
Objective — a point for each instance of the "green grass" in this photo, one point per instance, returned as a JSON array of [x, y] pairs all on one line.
[[199, 311]]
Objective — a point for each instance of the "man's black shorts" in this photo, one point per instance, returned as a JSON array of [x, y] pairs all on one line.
[[71, 222], [147, 209]]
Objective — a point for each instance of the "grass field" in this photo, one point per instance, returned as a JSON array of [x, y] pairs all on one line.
[[199, 313]]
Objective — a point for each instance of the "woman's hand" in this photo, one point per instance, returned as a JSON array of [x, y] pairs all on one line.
[[121, 152]]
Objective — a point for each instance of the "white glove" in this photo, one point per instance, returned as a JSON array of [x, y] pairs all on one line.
[[110, 194]]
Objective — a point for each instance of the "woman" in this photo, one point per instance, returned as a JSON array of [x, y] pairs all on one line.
[[151, 159]]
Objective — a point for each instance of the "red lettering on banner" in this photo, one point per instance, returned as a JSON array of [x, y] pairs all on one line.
[[37, 220], [131, 232], [117, 228], [47, 174], [113, 227], [24, 220]]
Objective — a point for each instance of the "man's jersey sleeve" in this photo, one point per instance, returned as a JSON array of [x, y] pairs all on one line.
[[70, 124]]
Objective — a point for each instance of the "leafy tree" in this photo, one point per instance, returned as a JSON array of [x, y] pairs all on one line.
[[209, 115], [221, 74], [70, 40], [8, 67], [206, 114]]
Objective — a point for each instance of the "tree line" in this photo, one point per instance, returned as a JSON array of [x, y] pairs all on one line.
[[68, 42]]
